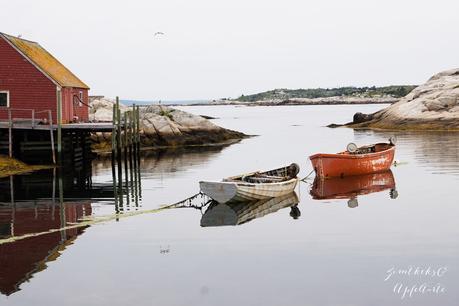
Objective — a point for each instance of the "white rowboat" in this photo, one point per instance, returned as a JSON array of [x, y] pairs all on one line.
[[253, 186]]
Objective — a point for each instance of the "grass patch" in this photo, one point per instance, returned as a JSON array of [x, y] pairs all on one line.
[[166, 113], [11, 166]]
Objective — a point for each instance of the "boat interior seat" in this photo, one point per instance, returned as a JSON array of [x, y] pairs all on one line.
[[364, 150], [263, 179]]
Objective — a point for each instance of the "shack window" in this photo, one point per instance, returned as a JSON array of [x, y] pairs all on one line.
[[81, 99], [4, 98]]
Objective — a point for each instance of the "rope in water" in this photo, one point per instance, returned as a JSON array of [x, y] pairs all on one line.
[[96, 220]]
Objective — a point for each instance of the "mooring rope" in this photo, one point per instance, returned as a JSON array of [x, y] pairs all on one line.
[[95, 220], [307, 176]]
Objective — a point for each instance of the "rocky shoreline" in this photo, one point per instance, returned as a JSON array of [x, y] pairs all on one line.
[[163, 126], [431, 106], [339, 100]]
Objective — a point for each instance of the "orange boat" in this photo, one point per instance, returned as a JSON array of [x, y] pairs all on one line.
[[355, 160]]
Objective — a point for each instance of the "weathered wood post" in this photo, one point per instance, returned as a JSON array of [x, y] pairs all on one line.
[[135, 153], [138, 128], [33, 118], [134, 123], [125, 149], [59, 125], [129, 131], [10, 133], [113, 138], [138, 150], [51, 132], [118, 150], [53, 196]]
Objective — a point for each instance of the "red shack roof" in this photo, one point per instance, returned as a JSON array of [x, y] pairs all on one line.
[[45, 62]]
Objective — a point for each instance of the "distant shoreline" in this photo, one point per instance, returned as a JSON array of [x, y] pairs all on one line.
[[296, 102]]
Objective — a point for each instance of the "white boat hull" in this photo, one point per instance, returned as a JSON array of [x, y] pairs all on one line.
[[241, 191]]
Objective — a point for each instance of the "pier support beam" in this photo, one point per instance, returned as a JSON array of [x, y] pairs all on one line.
[[59, 124]]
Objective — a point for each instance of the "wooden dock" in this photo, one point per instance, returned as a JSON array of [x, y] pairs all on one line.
[[28, 130], [87, 127], [32, 141]]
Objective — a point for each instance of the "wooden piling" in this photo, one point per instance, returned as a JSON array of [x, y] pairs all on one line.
[[129, 132], [10, 134], [137, 132], [118, 150], [138, 149], [115, 191], [113, 137], [125, 149], [33, 118], [59, 125], [134, 124], [51, 132]]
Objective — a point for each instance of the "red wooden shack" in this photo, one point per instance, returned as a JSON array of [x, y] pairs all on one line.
[[32, 79]]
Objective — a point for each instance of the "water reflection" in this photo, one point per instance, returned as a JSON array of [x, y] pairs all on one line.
[[20, 260], [353, 186], [156, 163], [40, 214], [237, 213], [438, 152]]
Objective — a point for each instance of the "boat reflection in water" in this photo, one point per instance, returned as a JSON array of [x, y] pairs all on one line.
[[237, 213], [352, 186]]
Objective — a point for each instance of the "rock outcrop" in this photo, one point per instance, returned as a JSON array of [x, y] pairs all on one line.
[[163, 126], [431, 106]]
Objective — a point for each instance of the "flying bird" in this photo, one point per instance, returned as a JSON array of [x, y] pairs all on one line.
[[158, 33]]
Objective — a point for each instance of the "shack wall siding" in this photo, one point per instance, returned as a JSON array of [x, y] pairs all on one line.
[[71, 107], [28, 87]]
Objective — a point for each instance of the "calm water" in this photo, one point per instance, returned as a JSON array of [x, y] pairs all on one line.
[[337, 252]]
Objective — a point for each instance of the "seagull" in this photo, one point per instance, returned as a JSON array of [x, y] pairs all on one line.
[[158, 33]]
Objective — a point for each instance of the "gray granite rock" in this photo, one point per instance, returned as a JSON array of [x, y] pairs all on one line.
[[164, 126], [433, 105]]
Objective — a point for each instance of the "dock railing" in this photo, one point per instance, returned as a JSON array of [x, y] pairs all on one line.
[[34, 114], [27, 116]]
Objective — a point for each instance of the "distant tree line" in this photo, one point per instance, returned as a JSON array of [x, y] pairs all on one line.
[[396, 91]]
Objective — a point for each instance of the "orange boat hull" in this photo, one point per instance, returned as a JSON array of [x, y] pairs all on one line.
[[346, 164]]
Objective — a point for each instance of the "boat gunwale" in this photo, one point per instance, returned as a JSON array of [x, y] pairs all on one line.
[[241, 183], [342, 155]]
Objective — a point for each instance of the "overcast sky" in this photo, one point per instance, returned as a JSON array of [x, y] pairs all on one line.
[[225, 48]]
